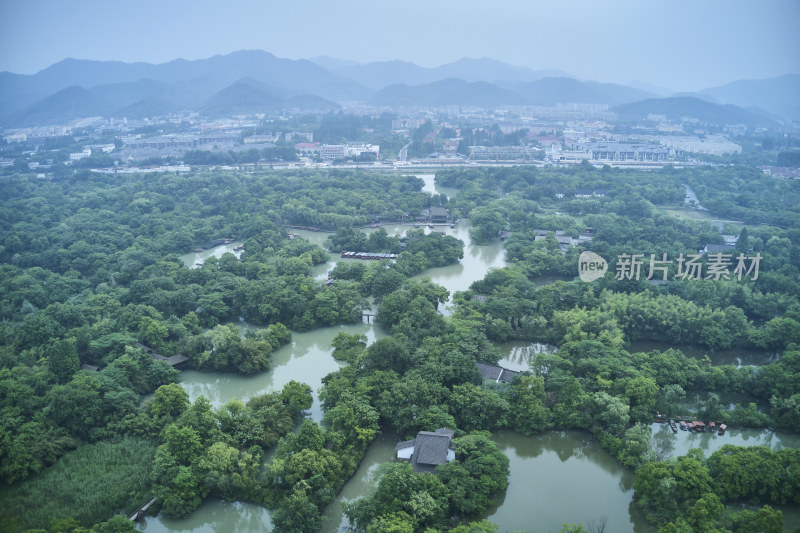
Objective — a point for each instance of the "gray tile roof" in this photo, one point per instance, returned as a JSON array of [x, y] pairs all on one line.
[[506, 375], [404, 444], [489, 371], [431, 448], [496, 373]]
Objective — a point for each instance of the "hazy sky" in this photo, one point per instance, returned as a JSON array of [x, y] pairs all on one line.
[[678, 44]]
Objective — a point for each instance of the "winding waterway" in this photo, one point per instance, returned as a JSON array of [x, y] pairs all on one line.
[[555, 478], [306, 359], [196, 259], [732, 356], [521, 353]]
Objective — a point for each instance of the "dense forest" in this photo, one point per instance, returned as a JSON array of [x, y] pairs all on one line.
[[91, 279]]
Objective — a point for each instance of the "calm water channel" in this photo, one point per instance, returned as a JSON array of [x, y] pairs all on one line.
[[521, 353], [733, 356], [555, 478], [476, 262], [192, 259]]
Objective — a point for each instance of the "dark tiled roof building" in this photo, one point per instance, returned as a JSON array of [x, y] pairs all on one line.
[[496, 373], [428, 450]]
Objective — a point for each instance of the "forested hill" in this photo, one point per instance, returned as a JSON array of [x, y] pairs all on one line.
[[706, 112]]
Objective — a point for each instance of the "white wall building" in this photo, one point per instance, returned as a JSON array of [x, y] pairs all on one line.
[[105, 148], [357, 149], [712, 144], [87, 152]]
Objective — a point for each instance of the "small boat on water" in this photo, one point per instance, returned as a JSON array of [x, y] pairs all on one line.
[[722, 428], [198, 264], [683, 425], [712, 427], [673, 426], [690, 426]]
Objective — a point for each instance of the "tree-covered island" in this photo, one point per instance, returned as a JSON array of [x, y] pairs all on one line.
[[97, 306]]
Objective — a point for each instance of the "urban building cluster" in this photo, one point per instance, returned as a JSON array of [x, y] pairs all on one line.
[[332, 152], [562, 134]]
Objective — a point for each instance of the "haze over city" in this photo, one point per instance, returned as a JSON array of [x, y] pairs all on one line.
[[680, 46]]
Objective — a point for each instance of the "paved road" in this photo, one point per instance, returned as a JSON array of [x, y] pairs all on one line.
[[691, 196], [403, 154]]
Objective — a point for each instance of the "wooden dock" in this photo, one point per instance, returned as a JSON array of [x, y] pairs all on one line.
[[139, 513]]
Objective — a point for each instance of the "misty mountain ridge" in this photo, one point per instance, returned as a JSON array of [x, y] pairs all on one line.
[[551, 91], [451, 91], [333, 63], [543, 92], [675, 108], [205, 76], [650, 88], [380, 74], [248, 96], [259, 81], [779, 96]]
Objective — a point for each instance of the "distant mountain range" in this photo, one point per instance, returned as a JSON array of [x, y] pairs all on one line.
[[688, 106], [551, 91], [248, 96], [451, 91], [779, 96], [381, 74], [249, 82], [120, 88]]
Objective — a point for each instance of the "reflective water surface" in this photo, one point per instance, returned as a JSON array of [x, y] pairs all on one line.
[[306, 359], [521, 353], [732, 356], [677, 444], [556, 477], [563, 477], [192, 259]]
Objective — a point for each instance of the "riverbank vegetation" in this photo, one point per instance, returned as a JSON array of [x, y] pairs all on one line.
[[592, 382], [409, 501], [95, 480], [90, 268]]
